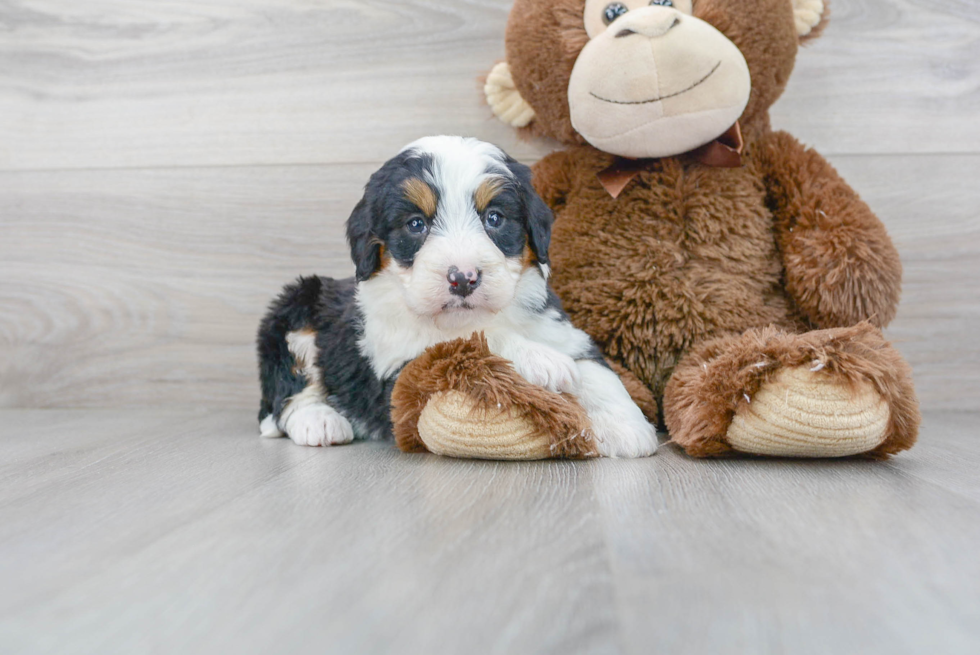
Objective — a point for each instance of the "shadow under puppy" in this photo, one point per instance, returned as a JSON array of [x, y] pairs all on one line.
[[449, 239]]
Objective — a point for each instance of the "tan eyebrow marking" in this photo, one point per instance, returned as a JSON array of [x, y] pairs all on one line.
[[421, 195], [487, 191]]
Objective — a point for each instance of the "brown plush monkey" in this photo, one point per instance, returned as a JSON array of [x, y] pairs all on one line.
[[724, 264]]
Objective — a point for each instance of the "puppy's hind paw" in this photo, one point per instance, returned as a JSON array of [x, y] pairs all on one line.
[[318, 425]]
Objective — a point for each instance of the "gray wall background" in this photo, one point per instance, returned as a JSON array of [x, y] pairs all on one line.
[[166, 167]]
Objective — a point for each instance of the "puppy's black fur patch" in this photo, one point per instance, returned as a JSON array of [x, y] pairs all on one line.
[[382, 216], [326, 306]]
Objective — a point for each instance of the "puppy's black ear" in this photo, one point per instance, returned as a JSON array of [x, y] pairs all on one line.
[[539, 216], [365, 246], [539, 222]]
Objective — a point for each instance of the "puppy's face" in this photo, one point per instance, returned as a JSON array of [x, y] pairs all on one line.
[[455, 222]]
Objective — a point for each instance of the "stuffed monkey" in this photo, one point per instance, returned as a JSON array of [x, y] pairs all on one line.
[[722, 263]]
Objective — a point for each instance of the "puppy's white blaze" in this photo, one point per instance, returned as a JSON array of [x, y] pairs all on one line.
[[457, 236], [469, 152], [459, 166], [621, 429]]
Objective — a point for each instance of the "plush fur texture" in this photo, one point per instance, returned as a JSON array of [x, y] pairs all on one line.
[[468, 366], [708, 262], [839, 265], [723, 374], [638, 391], [689, 255]]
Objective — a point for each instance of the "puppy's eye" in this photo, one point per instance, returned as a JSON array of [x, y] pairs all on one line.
[[661, 3], [417, 226], [494, 219], [614, 10]]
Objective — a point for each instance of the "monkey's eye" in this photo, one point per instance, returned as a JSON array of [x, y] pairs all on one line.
[[417, 226], [613, 11], [661, 3], [493, 219]]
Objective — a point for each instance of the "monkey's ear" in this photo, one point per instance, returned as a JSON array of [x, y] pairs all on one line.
[[810, 16], [504, 98], [365, 247]]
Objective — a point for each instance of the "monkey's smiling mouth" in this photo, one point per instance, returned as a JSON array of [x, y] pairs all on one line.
[[672, 95]]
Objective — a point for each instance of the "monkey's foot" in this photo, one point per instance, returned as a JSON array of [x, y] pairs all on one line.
[[826, 393], [801, 413]]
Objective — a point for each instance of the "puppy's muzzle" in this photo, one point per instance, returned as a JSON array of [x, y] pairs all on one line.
[[463, 283]]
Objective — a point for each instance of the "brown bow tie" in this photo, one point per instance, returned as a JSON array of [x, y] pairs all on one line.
[[723, 152]]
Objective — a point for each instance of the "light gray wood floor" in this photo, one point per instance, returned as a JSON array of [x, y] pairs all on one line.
[[160, 531], [166, 166]]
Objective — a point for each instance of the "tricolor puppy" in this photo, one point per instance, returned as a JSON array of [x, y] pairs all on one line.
[[449, 239]]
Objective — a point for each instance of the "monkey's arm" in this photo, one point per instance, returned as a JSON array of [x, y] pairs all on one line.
[[841, 267], [553, 178]]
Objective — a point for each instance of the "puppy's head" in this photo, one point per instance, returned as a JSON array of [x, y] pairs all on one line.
[[454, 223]]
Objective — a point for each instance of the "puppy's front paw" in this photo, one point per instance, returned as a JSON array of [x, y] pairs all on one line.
[[619, 426], [546, 367], [318, 425], [625, 438]]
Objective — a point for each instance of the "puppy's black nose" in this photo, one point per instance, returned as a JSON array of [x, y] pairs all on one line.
[[463, 283]]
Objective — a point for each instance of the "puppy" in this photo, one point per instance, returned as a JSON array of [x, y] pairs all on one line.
[[449, 239]]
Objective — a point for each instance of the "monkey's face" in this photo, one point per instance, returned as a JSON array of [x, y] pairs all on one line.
[[654, 80], [647, 78]]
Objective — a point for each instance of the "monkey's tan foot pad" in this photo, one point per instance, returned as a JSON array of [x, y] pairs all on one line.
[[453, 425], [810, 413], [459, 399]]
